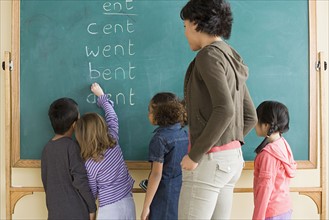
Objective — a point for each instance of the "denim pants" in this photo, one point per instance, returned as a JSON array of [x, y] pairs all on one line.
[[122, 209], [207, 191]]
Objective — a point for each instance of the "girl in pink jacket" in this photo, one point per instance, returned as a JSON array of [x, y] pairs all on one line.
[[274, 164]]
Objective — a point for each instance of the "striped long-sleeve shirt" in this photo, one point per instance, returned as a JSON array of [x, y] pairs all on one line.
[[109, 179]]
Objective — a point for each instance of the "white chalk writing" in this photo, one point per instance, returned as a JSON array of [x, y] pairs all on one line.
[[113, 49]]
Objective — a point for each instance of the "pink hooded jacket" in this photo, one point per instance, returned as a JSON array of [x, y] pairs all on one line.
[[273, 168]]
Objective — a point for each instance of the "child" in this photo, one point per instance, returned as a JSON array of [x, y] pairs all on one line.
[[63, 173], [166, 150], [274, 163], [108, 175]]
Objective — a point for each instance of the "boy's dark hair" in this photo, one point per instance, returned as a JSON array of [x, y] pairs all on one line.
[[213, 17], [276, 115], [63, 113], [167, 109]]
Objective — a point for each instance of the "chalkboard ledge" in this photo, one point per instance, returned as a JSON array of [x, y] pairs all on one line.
[[144, 165]]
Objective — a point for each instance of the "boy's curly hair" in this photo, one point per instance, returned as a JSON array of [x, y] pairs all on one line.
[[213, 17], [167, 109]]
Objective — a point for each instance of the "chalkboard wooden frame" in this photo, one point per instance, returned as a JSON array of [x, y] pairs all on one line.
[[135, 165]]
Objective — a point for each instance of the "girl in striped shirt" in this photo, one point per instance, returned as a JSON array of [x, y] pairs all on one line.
[[108, 175]]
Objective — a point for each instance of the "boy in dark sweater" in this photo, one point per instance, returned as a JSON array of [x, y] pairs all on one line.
[[64, 176]]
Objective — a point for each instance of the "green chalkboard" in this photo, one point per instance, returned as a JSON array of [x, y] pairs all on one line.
[[136, 48]]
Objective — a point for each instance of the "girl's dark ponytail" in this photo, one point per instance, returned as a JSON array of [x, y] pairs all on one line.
[[276, 115], [266, 140], [262, 145]]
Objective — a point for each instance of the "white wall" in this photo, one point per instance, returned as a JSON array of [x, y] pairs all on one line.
[[33, 206], [5, 45]]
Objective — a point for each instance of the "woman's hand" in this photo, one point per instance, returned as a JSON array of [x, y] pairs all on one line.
[[188, 164], [96, 89]]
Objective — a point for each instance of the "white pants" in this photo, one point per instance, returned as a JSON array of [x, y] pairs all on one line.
[[122, 209], [207, 191]]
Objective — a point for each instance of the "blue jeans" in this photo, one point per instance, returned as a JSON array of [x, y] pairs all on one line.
[[207, 191], [122, 209]]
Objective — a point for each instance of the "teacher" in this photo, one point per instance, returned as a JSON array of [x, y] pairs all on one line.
[[220, 112]]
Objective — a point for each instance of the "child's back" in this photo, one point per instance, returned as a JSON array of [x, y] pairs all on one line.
[[63, 173], [109, 178], [274, 164], [173, 140], [169, 146], [108, 174]]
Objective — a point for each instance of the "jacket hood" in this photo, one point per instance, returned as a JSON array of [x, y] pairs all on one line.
[[241, 71], [280, 149]]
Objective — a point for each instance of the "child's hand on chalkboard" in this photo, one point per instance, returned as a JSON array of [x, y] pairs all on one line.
[[96, 89]]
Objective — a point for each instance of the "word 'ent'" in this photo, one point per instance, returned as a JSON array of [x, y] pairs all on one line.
[[117, 7]]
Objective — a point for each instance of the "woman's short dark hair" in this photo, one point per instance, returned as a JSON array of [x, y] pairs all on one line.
[[167, 109], [63, 113], [276, 115], [213, 17]]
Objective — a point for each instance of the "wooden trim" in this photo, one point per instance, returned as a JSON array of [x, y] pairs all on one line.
[[142, 165], [27, 163], [138, 165], [12, 123], [323, 127], [16, 193], [15, 196], [312, 86], [27, 189], [313, 192], [292, 189], [301, 164], [8, 138], [316, 197], [15, 83], [139, 190], [132, 165]]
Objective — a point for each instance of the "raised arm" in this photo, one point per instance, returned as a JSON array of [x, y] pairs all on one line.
[[107, 105]]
